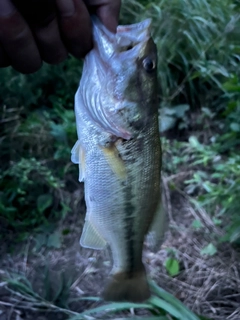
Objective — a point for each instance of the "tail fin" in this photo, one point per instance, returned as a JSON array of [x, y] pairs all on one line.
[[127, 287]]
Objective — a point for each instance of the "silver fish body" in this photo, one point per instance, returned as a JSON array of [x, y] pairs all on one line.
[[119, 152]]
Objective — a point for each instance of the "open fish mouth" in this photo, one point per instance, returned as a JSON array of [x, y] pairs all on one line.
[[130, 35], [129, 38]]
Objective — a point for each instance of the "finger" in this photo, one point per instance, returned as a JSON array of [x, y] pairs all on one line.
[[41, 16], [107, 11], [50, 43], [17, 40], [75, 26], [4, 61]]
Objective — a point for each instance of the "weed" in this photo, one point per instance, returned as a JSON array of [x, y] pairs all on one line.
[[162, 305]]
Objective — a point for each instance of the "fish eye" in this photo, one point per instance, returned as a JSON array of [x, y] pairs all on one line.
[[149, 65]]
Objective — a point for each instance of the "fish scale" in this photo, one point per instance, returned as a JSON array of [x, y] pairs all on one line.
[[119, 153]]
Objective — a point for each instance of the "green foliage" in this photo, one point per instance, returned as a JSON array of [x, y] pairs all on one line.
[[49, 238], [197, 224], [24, 201], [230, 116], [171, 263], [217, 182], [162, 305], [170, 117], [172, 266], [52, 296], [215, 179], [209, 250], [199, 50], [37, 134]]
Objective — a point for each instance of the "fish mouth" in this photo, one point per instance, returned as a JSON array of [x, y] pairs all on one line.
[[128, 42], [128, 38]]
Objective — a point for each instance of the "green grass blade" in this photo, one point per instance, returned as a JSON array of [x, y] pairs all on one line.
[[114, 307], [145, 318], [184, 312], [96, 299], [167, 307], [22, 288]]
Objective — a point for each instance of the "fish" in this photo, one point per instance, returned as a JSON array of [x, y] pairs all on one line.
[[119, 153]]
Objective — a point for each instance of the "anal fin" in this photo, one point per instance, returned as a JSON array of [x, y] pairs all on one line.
[[91, 238]]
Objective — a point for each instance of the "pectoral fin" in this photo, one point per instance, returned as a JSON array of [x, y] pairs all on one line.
[[117, 165], [75, 153], [91, 238], [155, 236], [78, 157]]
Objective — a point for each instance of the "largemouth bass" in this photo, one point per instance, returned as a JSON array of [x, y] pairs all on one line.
[[119, 153]]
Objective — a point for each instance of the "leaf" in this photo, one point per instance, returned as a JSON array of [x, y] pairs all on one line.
[[172, 266], [217, 222], [235, 127], [206, 185], [113, 307], [194, 143], [209, 250], [197, 224], [58, 132], [231, 87], [22, 288], [168, 307], [44, 201], [41, 240], [146, 318], [97, 299], [168, 111], [185, 313], [181, 109], [167, 123], [234, 234], [54, 240]]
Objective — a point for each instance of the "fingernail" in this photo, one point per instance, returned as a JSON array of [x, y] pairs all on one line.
[[6, 8], [66, 7]]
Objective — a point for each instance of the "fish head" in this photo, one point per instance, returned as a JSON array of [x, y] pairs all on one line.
[[122, 74], [135, 86]]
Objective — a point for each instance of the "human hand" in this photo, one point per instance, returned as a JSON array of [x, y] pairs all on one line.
[[32, 31]]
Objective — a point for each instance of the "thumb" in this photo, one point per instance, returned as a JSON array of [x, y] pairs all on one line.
[[107, 11]]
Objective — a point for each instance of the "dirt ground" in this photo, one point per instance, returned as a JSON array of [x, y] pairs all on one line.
[[208, 285]]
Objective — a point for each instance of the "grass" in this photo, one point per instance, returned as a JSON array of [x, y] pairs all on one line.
[[161, 305], [198, 46]]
